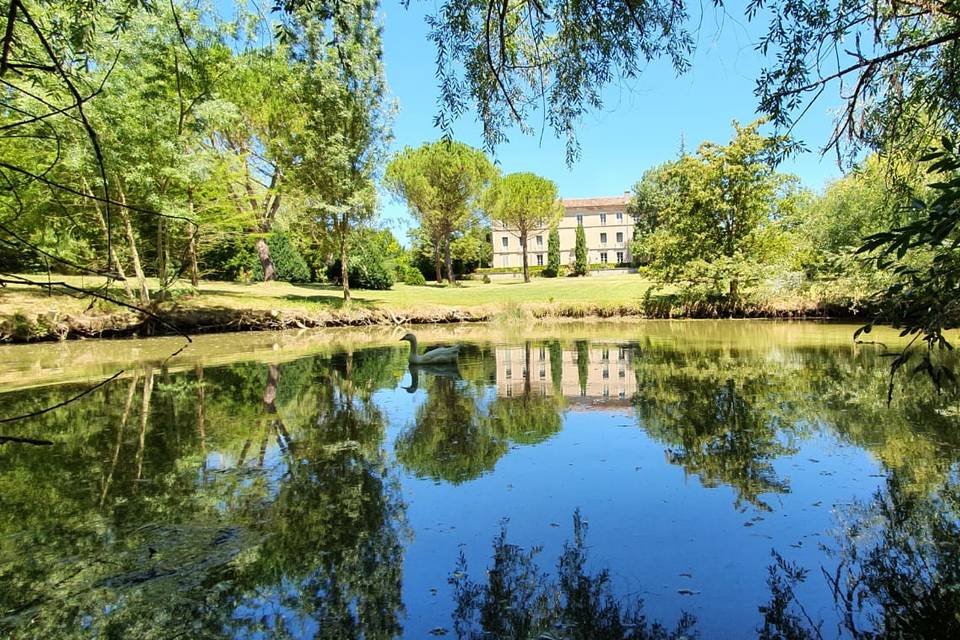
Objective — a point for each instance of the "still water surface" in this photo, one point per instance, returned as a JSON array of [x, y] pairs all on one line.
[[312, 485]]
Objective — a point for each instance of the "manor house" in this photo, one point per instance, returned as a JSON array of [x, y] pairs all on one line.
[[605, 221]]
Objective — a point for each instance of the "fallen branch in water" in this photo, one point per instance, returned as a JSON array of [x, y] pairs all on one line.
[[40, 412]]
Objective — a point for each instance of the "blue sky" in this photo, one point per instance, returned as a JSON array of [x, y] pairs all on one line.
[[641, 125]]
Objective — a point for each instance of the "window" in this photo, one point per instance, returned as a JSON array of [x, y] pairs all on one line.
[[504, 241], [539, 259], [509, 373], [619, 217], [504, 261], [539, 241], [603, 238], [603, 256], [543, 373], [579, 219], [619, 257], [619, 236], [543, 352], [606, 373], [603, 218], [605, 355]]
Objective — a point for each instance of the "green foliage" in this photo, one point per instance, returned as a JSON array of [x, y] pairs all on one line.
[[521, 203], [581, 266], [368, 270], [441, 183], [518, 600], [553, 254], [234, 258], [231, 258], [289, 263], [558, 56], [412, 276], [922, 258]]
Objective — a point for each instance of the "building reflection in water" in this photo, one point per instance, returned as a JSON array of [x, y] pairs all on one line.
[[594, 375]]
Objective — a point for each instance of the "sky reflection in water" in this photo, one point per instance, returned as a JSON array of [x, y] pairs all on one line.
[[332, 493]]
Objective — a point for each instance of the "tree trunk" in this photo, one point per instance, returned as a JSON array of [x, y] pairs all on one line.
[[201, 418], [526, 266], [161, 250], [436, 261], [144, 419], [449, 260], [131, 389], [344, 266], [111, 252], [194, 268], [134, 254], [192, 247], [263, 252]]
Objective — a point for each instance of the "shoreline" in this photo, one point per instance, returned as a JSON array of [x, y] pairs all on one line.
[[171, 320]]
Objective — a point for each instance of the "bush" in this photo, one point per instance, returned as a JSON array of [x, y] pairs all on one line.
[[535, 271], [231, 258], [486, 279], [412, 276], [367, 270], [235, 258], [287, 260]]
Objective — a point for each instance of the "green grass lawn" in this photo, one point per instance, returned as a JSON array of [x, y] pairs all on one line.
[[599, 290]]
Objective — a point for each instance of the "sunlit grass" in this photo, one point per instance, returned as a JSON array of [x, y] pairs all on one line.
[[605, 290]]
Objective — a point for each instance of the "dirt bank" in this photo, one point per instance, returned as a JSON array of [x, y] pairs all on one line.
[[173, 319]]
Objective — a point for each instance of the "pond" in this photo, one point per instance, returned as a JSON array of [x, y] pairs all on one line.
[[311, 485]]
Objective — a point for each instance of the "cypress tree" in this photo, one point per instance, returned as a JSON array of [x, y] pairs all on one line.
[[553, 254], [582, 266]]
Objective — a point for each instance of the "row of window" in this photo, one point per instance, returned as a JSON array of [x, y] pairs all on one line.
[[583, 394], [508, 373], [603, 218], [604, 257], [505, 241]]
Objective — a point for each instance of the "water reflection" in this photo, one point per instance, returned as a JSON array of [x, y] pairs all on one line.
[[272, 498], [894, 571]]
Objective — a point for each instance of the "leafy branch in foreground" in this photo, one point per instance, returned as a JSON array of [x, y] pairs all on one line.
[[924, 259]]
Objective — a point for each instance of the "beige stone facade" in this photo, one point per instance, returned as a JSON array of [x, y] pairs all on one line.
[[607, 226]]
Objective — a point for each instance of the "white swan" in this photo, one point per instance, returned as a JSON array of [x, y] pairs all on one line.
[[434, 356]]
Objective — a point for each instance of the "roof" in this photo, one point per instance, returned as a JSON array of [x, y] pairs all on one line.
[[606, 201]]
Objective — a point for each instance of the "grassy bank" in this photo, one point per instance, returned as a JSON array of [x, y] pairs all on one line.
[[33, 313]]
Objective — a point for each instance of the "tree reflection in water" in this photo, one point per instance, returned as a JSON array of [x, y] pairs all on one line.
[[258, 500], [291, 522], [520, 601], [897, 572]]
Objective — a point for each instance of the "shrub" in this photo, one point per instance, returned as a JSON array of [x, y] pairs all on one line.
[[367, 270], [486, 279], [231, 258], [412, 276], [287, 260]]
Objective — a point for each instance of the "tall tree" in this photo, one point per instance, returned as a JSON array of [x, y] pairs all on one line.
[[553, 253], [523, 202], [581, 266], [442, 183], [340, 146], [721, 202]]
